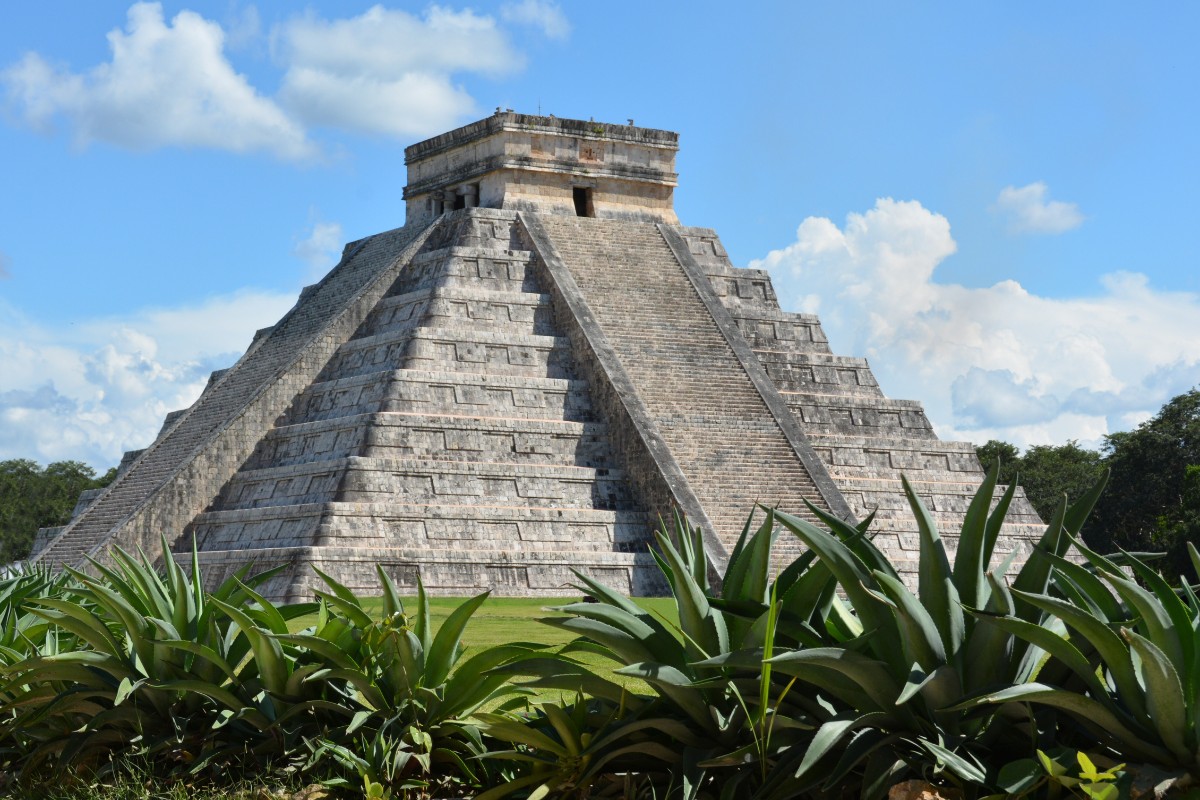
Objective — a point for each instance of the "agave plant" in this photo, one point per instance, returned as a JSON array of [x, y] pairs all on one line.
[[1131, 658], [403, 682], [157, 667], [902, 659], [21, 632], [570, 750], [733, 719]]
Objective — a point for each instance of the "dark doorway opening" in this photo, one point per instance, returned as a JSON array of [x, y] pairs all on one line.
[[460, 201], [583, 201]]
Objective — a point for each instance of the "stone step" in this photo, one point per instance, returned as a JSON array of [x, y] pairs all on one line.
[[409, 480], [922, 482], [503, 395], [458, 307], [898, 443], [491, 352], [731, 449], [862, 477], [828, 375], [470, 268], [854, 416], [366, 525], [772, 331], [947, 510], [497, 352], [450, 392], [909, 456], [343, 397], [408, 434], [503, 572]]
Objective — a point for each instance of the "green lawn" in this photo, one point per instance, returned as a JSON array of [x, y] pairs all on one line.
[[504, 620]]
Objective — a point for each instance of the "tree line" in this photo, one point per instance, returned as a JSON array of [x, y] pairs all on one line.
[[33, 497], [1152, 503]]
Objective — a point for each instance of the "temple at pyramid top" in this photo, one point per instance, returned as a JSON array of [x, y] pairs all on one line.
[[549, 165]]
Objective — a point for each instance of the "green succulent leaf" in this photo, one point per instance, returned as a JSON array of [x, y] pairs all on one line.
[[939, 596], [1091, 713], [1164, 696], [973, 554]]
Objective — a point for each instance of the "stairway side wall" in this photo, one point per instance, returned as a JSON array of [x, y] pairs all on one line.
[[830, 497], [685, 370], [653, 470]]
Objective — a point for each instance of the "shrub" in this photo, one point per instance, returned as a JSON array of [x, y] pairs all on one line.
[[1131, 650], [833, 673]]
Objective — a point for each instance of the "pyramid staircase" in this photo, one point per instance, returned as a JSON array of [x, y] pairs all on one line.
[[449, 436], [716, 411]]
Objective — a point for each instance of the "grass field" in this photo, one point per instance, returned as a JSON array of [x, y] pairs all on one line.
[[504, 620]]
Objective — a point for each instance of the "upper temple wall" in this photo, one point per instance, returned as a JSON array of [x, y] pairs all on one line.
[[544, 164]]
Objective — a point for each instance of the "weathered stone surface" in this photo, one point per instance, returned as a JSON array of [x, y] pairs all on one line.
[[533, 163], [450, 435], [517, 384]]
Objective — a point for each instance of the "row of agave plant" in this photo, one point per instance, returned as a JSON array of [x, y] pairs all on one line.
[[133, 664], [1075, 676]]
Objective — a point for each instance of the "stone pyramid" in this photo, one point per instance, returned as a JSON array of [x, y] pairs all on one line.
[[519, 382]]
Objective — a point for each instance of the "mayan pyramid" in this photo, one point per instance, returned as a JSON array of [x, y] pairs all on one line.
[[518, 383]]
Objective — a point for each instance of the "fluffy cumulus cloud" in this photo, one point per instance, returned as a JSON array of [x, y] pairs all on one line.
[[102, 386], [994, 362], [1029, 209], [549, 17], [388, 72], [170, 83], [167, 83]]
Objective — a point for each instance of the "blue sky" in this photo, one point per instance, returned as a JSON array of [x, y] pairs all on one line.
[[994, 202]]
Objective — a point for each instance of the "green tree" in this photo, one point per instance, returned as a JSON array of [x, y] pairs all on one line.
[[1046, 472], [32, 497], [1007, 453], [1153, 499]]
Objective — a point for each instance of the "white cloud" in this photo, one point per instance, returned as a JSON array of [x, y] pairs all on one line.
[[383, 72], [388, 72], [538, 13], [92, 390], [166, 85], [243, 27], [1029, 210], [320, 247], [991, 362]]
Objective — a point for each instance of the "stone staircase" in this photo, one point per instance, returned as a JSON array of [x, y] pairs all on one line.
[[710, 414], [449, 436]]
